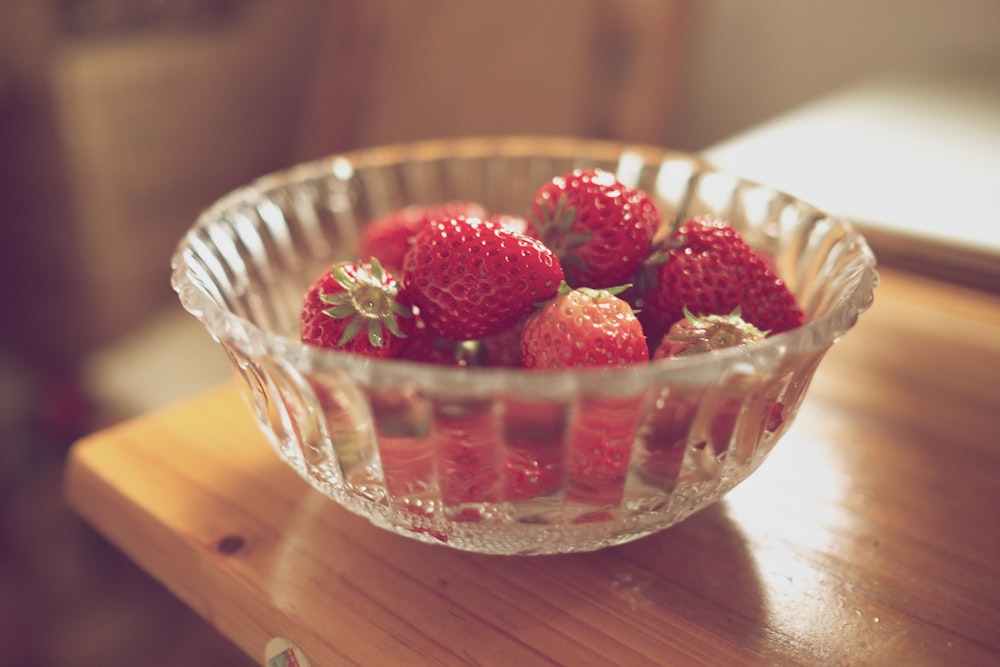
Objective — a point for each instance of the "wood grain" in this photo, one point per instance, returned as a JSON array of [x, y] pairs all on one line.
[[869, 536]]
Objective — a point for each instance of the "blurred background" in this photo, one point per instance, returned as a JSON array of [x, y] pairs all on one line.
[[121, 119]]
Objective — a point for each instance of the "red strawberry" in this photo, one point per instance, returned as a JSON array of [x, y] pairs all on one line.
[[533, 431], [582, 328], [600, 229], [672, 417], [514, 223], [665, 436], [388, 237], [471, 278], [709, 268], [704, 333], [504, 347], [426, 347], [599, 450], [468, 450], [356, 308]]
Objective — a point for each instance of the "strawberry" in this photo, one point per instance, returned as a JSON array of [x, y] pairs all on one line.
[[468, 450], [708, 268], [357, 308], [471, 278], [694, 334], [426, 347], [533, 431], [665, 435], [514, 223], [673, 415], [504, 347], [388, 237], [600, 229], [599, 449], [582, 328]]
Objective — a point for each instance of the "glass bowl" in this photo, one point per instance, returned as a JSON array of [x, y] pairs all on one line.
[[500, 460]]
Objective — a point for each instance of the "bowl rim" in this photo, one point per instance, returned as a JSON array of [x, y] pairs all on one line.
[[813, 336]]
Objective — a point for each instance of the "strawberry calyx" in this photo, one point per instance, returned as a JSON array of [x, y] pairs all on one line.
[[554, 229], [704, 333], [594, 293], [597, 293], [368, 302]]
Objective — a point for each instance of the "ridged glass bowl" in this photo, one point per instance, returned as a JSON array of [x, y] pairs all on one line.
[[496, 460]]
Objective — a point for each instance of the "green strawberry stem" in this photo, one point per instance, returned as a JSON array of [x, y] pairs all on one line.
[[368, 303], [554, 227]]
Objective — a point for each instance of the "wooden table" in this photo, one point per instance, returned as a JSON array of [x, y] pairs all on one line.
[[869, 537]]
